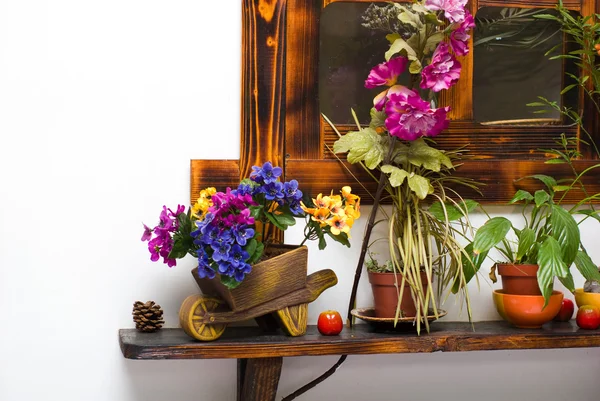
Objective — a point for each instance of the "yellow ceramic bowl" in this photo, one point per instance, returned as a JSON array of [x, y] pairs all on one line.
[[586, 298], [526, 311]]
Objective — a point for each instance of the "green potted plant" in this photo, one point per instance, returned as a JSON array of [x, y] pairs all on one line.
[[549, 242], [398, 152]]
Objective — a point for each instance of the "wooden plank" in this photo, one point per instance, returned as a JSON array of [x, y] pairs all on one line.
[[261, 377], [250, 342], [498, 179], [212, 173]]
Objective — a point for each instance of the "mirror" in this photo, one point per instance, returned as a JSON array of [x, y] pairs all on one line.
[[511, 67]]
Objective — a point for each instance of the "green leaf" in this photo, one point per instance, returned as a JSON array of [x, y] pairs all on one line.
[[453, 212], [257, 252], [181, 246], [554, 161], [409, 18], [590, 213], [568, 282], [568, 88], [285, 218], [526, 239], [230, 282], [433, 41], [419, 185], [420, 154], [415, 67], [586, 266], [397, 175], [561, 188], [547, 180], [274, 221], [398, 46], [255, 211], [364, 145], [471, 266], [377, 118], [391, 37], [342, 238], [551, 265], [541, 197], [566, 231], [490, 234], [521, 195]]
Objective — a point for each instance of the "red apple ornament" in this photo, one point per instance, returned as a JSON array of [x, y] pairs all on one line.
[[330, 323], [588, 317], [566, 311]]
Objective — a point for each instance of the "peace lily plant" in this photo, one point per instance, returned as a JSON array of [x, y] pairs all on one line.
[[425, 37]]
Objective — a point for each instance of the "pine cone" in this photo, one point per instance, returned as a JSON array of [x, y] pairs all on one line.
[[147, 316]]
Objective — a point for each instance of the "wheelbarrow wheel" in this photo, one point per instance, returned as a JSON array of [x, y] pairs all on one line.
[[191, 317], [293, 319]]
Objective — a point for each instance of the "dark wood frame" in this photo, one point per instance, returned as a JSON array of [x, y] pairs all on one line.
[[281, 121]]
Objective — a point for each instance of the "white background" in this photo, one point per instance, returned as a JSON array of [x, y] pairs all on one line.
[[102, 105]]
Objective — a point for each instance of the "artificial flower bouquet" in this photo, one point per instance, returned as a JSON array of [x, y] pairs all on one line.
[[428, 215], [227, 231]]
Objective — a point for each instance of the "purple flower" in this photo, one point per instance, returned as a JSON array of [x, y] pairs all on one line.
[[266, 174], [386, 73], [410, 117], [459, 38], [454, 10], [147, 233], [243, 189], [296, 207], [443, 72]]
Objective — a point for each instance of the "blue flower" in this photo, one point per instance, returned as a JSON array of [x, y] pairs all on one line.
[[243, 234], [273, 191], [243, 189], [210, 235], [266, 174], [291, 191], [238, 256], [225, 268], [221, 251], [296, 208]]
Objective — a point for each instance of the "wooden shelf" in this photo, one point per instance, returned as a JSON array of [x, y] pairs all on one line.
[[249, 342]]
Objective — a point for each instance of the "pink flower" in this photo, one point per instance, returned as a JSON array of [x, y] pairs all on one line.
[[410, 117], [443, 72], [460, 37], [454, 10], [386, 73]]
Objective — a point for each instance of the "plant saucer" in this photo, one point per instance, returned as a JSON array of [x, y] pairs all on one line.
[[387, 324]]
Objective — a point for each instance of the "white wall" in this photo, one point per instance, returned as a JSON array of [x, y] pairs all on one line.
[[102, 105]]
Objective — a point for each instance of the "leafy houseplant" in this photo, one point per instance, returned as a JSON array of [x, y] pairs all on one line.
[[226, 231], [412, 173], [550, 237]]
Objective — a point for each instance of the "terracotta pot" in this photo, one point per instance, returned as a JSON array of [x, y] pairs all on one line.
[[519, 279], [385, 295]]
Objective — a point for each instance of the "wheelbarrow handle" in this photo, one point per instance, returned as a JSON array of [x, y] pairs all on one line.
[[319, 281]]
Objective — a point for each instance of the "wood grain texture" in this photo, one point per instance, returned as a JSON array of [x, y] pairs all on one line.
[[261, 378], [269, 279], [212, 173], [249, 342], [263, 83], [293, 319], [499, 179], [316, 283]]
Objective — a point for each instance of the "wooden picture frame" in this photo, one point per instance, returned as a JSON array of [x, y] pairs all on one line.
[[281, 120]]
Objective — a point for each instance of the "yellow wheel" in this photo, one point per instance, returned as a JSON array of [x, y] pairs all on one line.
[[191, 316], [293, 319]]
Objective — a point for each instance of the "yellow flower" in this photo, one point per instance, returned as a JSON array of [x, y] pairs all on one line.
[[321, 201], [321, 215], [308, 210], [338, 225], [352, 212], [335, 205], [349, 197], [203, 203]]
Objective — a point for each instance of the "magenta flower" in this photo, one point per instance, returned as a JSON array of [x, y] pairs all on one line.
[[147, 233], [386, 73], [443, 72], [410, 117], [460, 37], [454, 10]]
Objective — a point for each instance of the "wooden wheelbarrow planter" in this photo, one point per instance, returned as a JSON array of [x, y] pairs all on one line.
[[277, 287]]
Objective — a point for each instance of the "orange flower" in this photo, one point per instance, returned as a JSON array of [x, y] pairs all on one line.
[[321, 216], [352, 212], [349, 197]]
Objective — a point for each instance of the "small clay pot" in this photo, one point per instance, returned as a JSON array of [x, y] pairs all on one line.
[[385, 295], [519, 279]]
